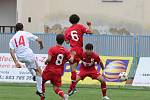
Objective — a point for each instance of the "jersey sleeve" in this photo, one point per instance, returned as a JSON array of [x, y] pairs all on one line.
[[11, 45], [31, 37], [85, 30], [83, 55], [50, 52], [99, 61], [67, 36], [68, 55], [97, 58]]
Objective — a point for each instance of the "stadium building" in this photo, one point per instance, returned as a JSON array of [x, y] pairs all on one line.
[[131, 15]]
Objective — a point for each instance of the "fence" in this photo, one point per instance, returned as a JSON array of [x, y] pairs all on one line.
[[105, 45]]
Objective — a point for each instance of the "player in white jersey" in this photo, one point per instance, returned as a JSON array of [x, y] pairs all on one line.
[[21, 52]]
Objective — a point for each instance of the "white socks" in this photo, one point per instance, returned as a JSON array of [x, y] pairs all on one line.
[[39, 83], [32, 71], [38, 80]]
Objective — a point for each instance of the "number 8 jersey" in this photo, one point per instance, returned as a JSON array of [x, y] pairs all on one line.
[[60, 56], [20, 43]]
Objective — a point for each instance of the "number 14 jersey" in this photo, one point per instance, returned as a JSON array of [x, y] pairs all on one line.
[[20, 43]]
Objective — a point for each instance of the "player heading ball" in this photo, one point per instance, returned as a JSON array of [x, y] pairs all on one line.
[[74, 37]]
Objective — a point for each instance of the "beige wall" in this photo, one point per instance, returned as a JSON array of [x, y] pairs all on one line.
[[131, 14], [36, 9], [146, 17]]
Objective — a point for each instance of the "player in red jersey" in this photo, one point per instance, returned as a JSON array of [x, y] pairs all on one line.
[[87, 69], [57, 57], [74, 36]]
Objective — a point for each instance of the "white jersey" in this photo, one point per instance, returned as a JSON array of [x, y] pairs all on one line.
[[20, 43]]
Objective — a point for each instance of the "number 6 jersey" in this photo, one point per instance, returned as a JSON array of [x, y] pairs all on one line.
[[74, 34], [20, 43]]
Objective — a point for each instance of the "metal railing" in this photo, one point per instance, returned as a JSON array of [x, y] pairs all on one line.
[[7, 29]]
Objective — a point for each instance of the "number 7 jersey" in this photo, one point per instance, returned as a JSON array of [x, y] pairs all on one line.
[[20, 43]]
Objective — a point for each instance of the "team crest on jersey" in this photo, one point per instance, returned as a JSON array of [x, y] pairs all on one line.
[[92, 59]]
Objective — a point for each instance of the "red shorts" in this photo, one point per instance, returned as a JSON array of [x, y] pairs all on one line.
[[78, 55], [54, 77], [88, 71]]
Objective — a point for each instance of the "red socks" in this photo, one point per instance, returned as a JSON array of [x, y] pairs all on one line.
[[59, 92], [72, 86], [43, 89], [104, 88], [42, 98], [73, 75], [73, 78]]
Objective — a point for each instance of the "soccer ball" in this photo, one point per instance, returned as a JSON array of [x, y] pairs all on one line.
[[123, 76]]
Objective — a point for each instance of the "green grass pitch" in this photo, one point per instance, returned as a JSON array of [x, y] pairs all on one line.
[[17, 92]]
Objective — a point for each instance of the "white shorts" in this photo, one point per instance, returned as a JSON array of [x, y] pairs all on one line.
[[29, 61]]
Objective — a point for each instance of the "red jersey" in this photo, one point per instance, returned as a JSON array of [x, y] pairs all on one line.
[[89, 61], [74, 35], [60, 56]]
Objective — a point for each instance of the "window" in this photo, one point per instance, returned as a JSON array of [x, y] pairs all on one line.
[[112, 1]]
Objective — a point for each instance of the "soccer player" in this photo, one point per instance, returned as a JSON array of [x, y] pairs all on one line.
[[87, 69], [74, 36], [57, 57], [21, 52]]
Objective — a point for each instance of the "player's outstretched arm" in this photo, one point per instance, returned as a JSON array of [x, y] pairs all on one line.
[[66, 37], [48, 59], [40, 43], [12, 53], [99, 61], [102, 65], [71, 59], [90, 30], [67, 42]]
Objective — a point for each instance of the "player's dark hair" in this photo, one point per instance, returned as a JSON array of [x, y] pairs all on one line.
[[74, 19], [19, 27], [60, 39], [89, 46]]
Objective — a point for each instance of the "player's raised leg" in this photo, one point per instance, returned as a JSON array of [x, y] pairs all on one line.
[[60, 93], [74, 64], [36, 73], [43, 89], [56, 81], [72, 88], [77, 54], [103, 87], [73, 72], [39, 82]]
